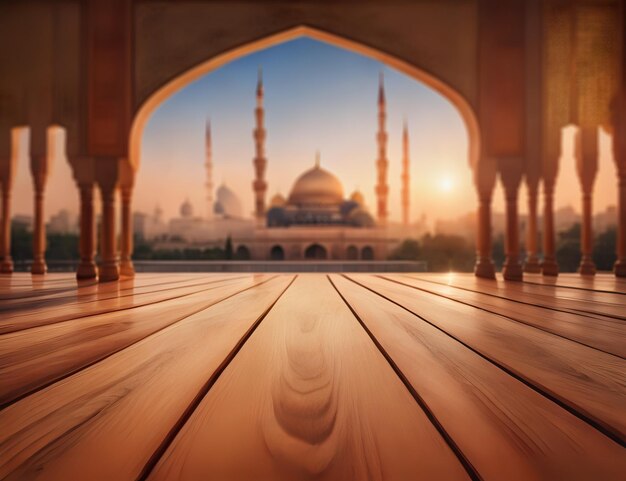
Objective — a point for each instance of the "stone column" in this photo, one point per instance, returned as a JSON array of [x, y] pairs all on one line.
[[126, 244], [39, 171], [87, 267], [587, 167], [484, 180], [620, 264], [511, 175], [549, 267], [109, 263], [6, 263], [532, 259]]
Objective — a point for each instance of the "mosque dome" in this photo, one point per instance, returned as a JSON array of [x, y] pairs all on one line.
[[359, 217], [227, 203], [278, 200], [316, 186], [186, 209], [357, 197]]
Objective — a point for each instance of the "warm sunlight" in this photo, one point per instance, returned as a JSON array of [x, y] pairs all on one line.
[[446, 184]]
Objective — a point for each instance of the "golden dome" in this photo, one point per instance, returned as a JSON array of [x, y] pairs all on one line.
[[357, 197], [278, 200], [316, 186]]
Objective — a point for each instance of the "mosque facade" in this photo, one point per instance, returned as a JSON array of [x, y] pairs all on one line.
[[316, 221]]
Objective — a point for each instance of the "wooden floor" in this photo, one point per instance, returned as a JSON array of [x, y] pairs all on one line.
[[302, 377]]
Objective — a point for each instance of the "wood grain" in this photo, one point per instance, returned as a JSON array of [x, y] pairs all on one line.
[[606, 334], [507, 430], [105, 422], [590, 382], [35, 357], [309, 397]]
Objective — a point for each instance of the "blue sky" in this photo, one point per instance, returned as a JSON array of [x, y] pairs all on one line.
[[317, 96]]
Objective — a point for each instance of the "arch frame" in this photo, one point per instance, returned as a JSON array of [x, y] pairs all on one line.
[[176, 84]]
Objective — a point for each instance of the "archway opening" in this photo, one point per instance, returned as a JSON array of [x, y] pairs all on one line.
[[352, 253], [277, 253], [367, 253], [315, 252]]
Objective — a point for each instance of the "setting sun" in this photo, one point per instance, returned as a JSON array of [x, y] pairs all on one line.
[[446, 184]]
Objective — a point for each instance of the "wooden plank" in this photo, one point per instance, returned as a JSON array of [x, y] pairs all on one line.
[[600, 282], [48, 311], [504, 428], [567, 300], [105, 422], [35, 357], [606, 334], [586, 381], [309, 397]]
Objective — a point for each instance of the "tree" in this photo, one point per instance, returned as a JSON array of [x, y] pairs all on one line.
[[228, 248], [409, 250]]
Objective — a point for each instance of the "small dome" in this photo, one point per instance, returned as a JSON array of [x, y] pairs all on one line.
[[361, 218], [227, 202], [357, 197], [278, 201], [186, 209], [316, 187]]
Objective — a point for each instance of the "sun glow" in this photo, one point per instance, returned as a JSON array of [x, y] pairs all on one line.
[[446, 184]]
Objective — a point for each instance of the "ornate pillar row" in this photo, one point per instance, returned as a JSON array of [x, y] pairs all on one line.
[[39, 166], [549, 266], [532, 255], [586, 153], [87, 266], [620, 264]]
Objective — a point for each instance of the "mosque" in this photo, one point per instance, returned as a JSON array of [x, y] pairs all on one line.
[[315, 221]]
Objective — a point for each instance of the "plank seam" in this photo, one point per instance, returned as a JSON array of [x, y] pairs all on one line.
[[465, 303], [102, 358], [527, 382], [465, 462], [204, 390]]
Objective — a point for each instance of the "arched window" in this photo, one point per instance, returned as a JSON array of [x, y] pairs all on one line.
[[315, 251], [367, 253], [242, 253], [352, 253], [277, 253]]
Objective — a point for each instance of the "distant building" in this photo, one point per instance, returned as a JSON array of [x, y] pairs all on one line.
[[63, 223], [21, 221]]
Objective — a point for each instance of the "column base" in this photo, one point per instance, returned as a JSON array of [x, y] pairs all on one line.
[[108, 271], [6, 266], [587, 267], [619, 268], [532, 265], [549, 267], [484, 268], [127, 268], [38, 267], [512, 271], [86, 270]]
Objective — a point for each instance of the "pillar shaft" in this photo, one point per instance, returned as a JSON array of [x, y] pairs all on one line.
[[126, 244], [87, 266], [620, 263], [484, 263], [39, 166], [532, 257], [109, 265], [512, 270], [6, 264], [549, 267], [587, 168]]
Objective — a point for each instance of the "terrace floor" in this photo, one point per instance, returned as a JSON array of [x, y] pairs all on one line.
[[289, 377]]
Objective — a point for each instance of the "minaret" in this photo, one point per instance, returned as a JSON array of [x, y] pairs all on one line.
[[260, 162], [406, 194], [382, 188], [209, 171]]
